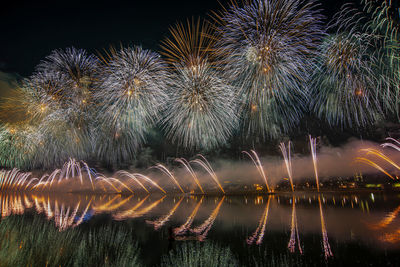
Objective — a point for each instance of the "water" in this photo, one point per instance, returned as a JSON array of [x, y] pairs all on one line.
[[254, 230]]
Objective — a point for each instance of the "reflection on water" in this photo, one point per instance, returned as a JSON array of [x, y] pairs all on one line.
[[327, 247], [259, 233], [294, 230], [301, 221]]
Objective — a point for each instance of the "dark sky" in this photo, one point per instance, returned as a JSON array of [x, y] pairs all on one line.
[[30, 30]]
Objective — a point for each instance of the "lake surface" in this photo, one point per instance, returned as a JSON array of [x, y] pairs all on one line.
[[254, 230]]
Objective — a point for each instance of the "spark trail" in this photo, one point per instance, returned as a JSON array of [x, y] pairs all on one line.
[[256, 160]]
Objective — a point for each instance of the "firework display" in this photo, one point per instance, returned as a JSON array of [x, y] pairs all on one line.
[[254, 73], [268, 48], [259, 126]]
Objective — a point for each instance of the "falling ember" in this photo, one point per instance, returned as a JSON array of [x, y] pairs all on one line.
[[256, 160], [313, 146], [288, 161]]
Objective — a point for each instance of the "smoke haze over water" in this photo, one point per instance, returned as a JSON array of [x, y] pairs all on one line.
[[332, 162]]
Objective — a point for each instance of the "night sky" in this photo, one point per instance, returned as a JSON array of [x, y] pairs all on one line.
[[32, 29]]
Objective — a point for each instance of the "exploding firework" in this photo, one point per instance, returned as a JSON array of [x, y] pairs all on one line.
[[386, 17], [75, 70], [201, 112], [54, 101], [347, 91], [131, 93], [386, 23], [68, 77], [268, 49], [18, 146]]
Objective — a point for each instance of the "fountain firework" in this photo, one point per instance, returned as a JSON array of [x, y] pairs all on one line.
[[380, 155], [256, 160], [189, 168], [16, 180], [202, 161], [288, 161], [169, 174], [313, 147]]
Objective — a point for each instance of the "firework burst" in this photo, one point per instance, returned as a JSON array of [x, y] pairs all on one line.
[[385, 23], [66, 77], [346, 90], [268, 48], [131, 92], [386, 17], [201, 113], [19, 145], [75, 71], [54, 101]]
